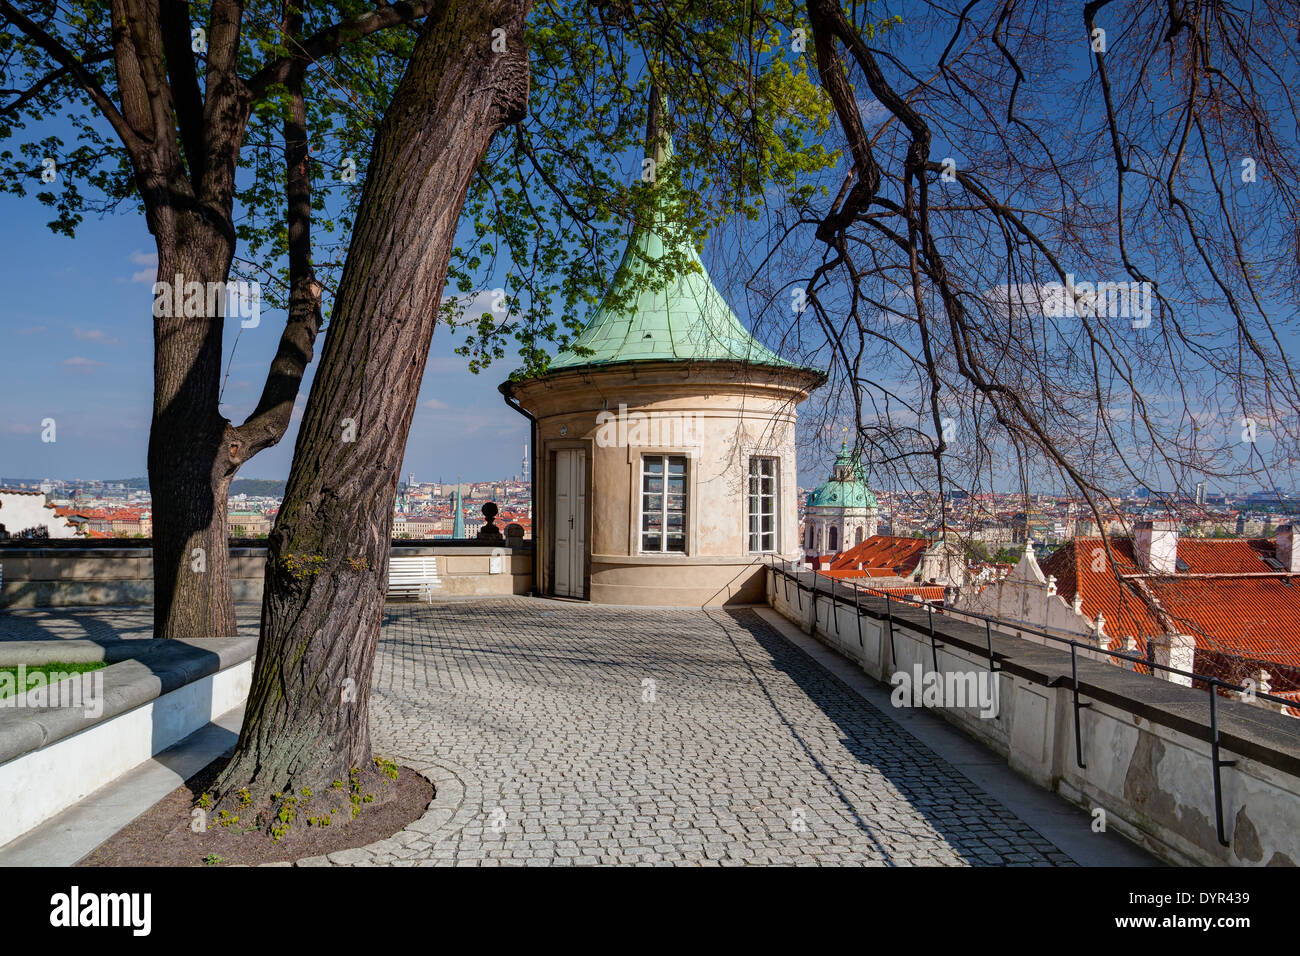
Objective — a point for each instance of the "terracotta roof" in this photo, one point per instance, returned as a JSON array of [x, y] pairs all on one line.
[[1255, 616], [926, 592], [882, 555]]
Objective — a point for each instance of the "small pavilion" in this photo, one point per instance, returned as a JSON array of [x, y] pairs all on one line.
[[663, 438]]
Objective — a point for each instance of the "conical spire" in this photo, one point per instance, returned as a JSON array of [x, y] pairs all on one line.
[[641, 319], [458, 522]]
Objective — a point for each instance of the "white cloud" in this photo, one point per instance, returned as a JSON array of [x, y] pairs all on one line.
[[95, 335], [142, 258], [79, 363], [435, 404], [872, 110]]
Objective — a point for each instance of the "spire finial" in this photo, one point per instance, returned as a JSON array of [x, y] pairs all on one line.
[[658, 144]]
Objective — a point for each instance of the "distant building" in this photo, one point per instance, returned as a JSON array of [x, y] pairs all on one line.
[[1228, 608], [1030, 525], [841, 512], [29, 514], [457, 514], [913, 568]]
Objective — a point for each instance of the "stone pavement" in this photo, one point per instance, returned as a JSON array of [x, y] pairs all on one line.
[[574, 733], [569, 733]]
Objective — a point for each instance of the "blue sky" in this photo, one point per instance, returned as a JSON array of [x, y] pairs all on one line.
[[76, 345]]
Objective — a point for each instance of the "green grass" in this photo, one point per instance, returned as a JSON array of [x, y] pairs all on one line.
[[64, 667]]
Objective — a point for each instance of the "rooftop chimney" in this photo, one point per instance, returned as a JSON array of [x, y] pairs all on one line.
[[1287, 552], [1155, 545]]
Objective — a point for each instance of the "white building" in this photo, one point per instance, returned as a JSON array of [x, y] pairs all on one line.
[[842, 512], [30, 512]]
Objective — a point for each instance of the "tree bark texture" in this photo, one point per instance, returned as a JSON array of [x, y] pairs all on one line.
[[307, 720]]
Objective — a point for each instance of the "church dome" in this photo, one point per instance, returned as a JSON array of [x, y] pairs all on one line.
[[844, 488]]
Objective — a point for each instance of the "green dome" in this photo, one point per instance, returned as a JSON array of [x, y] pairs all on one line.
[[842, 494], [844, 489]]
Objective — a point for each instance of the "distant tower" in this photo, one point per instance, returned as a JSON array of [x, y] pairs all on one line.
[[410, 480], [842, 512], [458, 522], [524, 472]]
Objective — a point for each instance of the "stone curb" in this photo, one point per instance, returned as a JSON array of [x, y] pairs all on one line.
[[126, 685], [448, 796]]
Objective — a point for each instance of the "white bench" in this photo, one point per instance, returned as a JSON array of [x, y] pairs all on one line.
[[414, 575]]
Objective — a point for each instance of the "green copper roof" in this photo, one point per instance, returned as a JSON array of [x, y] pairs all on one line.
[[458, 522], [844, 489], [841, 494], [688, 320]]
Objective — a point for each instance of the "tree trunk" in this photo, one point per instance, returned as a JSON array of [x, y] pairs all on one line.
[[307, 720], [189, 457]]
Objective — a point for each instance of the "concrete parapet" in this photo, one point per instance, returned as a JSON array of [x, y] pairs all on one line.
[[1143, 752]]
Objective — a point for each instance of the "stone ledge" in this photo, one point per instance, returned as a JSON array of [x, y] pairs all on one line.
[[126, 685], [1264, 735], [76, 650]]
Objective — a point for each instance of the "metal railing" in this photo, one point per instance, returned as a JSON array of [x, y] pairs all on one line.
[[1213, 684]]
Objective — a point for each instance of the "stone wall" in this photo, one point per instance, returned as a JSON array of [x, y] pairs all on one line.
[[53, 754], [64, 577], [1146, 749]]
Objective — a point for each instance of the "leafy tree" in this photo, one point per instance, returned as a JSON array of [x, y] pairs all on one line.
[[548, 188], [199, 117], [241, 131]]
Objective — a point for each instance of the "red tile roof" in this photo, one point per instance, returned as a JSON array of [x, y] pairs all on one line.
[[1252, 612], [882, 555], [926, 592]]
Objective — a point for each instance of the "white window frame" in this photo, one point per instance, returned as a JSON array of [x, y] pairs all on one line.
[[775, 497], [641, 533]]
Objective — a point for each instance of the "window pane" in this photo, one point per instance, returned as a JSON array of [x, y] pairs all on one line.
[[663, 503], [762, 504]]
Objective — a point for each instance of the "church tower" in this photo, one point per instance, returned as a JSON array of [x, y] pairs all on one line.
[[842, 511]]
